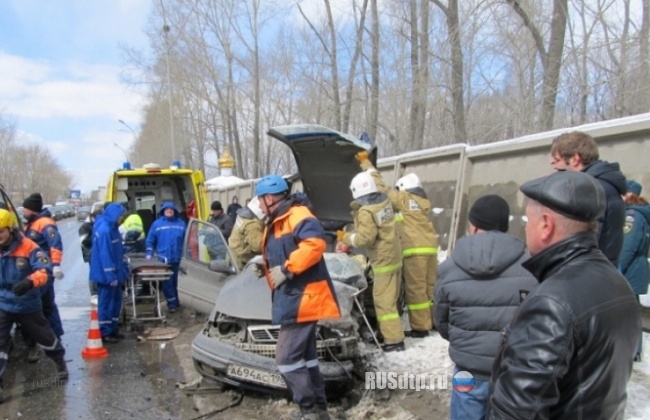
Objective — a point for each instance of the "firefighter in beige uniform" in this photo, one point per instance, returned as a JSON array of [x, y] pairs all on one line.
[[245, 241], [374, 224], [418, 241]]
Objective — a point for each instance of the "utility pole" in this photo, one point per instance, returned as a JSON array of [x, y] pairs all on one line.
[[166, 30]]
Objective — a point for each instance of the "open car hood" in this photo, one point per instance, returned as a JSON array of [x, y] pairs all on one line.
[[326, 165]]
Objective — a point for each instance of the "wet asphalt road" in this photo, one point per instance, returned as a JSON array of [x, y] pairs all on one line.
[[136, 380]]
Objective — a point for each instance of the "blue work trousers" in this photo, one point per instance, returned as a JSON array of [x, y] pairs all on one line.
[[109, 306], [170, 287], [297, 362]]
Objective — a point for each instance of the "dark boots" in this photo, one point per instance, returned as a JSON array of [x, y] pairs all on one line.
[[61, 370]]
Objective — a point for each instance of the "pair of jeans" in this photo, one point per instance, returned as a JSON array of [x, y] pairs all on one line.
[[470, 405]]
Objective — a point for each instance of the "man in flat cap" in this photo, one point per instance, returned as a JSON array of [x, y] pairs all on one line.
[[568, 352]]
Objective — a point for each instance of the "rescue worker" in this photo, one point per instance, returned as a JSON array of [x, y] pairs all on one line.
[[24, 268], [165, 238], [109, 271], [246, 238], [374, 225], [132, 232], [303, 293], [42, 229], [419, 244]]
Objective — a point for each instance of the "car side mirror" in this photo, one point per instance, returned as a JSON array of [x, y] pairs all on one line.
[[221, 266]]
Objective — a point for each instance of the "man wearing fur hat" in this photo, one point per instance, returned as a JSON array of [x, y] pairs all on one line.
[[42, 229], [568, 352]]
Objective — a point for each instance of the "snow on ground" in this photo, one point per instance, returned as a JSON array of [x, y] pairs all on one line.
[[430, 356]]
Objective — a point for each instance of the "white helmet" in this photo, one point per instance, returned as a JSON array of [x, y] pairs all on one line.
[[408, 182], [362, 184], [254, 206]]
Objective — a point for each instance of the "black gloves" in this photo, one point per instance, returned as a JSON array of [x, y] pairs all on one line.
[[22, 287]]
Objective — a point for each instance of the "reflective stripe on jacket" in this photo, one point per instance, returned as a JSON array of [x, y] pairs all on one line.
[[374, 226], [43, 230], [23, 259], [107, 256], [294, 239], [415, 230], [166, 236], [246, 238]]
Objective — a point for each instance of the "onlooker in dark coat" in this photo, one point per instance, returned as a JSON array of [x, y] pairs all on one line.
[[479, 289], [578, 152], [220, 219], [86, 239], [633, 261], [233, 207]]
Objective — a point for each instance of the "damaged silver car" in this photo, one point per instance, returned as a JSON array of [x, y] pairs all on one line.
[[237, 345]]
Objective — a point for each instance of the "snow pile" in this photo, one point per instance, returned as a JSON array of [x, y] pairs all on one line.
[[221, 182], [430, 356]]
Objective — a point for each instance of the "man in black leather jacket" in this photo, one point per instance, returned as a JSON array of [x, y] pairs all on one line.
[[567, 353]]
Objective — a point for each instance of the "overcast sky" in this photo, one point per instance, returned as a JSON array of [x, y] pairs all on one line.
[[60, 65]]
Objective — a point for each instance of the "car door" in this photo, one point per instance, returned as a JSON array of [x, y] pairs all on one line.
[[206, 265]]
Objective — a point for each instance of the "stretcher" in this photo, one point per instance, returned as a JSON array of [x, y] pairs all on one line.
[[144, 287]]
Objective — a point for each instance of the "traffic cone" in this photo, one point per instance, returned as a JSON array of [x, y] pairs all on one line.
[[94, 347]]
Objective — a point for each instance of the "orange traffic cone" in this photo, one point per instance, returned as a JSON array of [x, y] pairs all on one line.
[[94, 347]]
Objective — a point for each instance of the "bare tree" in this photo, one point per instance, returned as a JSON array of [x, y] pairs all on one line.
[[457, 78], [551, 57]]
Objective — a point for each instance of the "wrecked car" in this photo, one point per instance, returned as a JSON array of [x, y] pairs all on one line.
[[237, 345]]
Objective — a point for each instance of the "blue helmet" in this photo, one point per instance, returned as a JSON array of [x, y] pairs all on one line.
[[271, 184]]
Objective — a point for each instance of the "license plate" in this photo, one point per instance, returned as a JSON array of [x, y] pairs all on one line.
[[259, 376]]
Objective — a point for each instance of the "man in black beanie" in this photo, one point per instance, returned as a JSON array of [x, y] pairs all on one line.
[[478, 291], [42, 229]]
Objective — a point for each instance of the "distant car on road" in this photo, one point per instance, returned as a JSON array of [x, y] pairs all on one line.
[[83, 213]]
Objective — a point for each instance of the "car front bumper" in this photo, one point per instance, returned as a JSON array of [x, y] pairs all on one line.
[[213, 357]]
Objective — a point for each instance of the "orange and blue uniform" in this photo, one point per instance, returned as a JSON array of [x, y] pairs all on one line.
[[42, 229], [21, 259], [294, 240]]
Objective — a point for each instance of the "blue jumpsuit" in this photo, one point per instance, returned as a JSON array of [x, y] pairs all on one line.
[[165, 238], [108, 268]]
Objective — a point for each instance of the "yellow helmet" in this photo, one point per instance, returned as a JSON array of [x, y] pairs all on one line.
[[7, 219]]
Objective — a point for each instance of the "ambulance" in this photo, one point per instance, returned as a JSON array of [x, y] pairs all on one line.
[[145, 189]]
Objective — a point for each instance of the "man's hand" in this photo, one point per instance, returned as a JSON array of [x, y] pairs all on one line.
[[58, 273], [258, 265], [340, 234], [148, 257], [277, 276], [113, 283], [361, 156], [22, 287]]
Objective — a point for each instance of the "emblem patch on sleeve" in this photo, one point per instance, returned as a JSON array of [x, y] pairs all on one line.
[[629, 223], [42, 258], [51, 232]]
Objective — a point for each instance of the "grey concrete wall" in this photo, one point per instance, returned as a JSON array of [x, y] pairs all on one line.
[[455, 176]]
